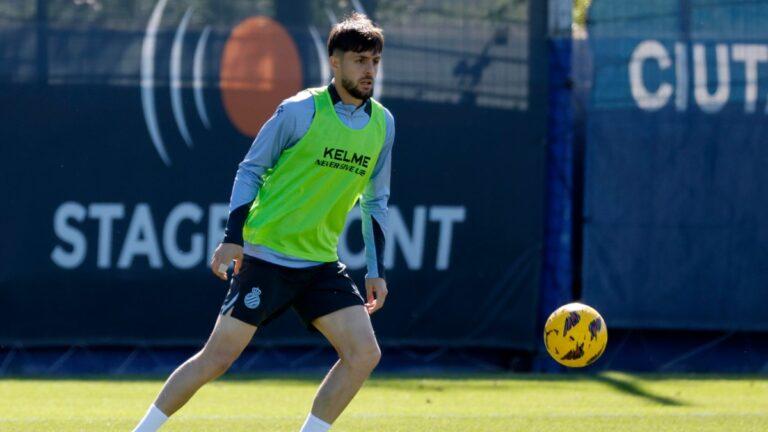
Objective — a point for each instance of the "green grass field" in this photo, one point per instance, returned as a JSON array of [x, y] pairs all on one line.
[[591, 403]]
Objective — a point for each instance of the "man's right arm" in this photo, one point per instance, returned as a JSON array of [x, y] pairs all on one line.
[[277, 134], [284, 129]]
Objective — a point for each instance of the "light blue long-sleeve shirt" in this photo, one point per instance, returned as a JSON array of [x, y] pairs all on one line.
[[289, 123]]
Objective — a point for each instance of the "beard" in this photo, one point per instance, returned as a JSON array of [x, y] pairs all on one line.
[[352, 89]]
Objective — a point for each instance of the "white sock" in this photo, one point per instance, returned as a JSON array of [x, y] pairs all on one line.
[[152, 420], [314, 424]]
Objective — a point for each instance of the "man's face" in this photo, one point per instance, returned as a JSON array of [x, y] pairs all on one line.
[[357, 71]]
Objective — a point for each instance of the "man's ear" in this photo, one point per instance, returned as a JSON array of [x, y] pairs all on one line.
[[335, 60]]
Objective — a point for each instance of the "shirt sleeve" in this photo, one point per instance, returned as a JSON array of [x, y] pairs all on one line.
[[374, 205], [284, 129]]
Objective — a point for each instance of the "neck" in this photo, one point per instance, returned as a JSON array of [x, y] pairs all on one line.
[[345, 96]]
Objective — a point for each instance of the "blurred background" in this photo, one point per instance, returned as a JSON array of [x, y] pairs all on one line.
[[612, 153]]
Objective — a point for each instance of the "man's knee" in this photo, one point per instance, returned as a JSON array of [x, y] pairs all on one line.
[[363, 355], [218, 361]]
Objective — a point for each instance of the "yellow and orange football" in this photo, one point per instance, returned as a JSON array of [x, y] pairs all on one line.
[[575, 335]]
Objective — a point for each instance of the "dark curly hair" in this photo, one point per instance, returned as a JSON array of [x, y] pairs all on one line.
[[355, 33]]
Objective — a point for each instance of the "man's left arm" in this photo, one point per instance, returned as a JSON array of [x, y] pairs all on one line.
[[374, 212]]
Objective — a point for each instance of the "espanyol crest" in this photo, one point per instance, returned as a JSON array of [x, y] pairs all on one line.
[[253, 298]]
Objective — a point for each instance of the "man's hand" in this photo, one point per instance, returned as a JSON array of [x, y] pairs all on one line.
[[225, 254], [376, 289]]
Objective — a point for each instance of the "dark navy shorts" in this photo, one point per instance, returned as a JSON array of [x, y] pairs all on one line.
[[261, 291]]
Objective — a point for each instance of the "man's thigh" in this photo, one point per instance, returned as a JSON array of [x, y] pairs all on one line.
[[229, 337], [348, 329]]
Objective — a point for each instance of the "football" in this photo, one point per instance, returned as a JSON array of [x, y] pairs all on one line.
[[575, 335]]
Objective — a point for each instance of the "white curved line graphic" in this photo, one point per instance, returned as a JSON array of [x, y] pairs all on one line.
[[331, 16], [325, 68], [147, 71], [197, 78], [176, 103], [378, 85]]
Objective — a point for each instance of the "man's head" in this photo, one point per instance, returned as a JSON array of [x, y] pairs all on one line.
[[354, 48]]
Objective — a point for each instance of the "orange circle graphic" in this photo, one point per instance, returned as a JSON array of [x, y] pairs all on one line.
[[260, 66]]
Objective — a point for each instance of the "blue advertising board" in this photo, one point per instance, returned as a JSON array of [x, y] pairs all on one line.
[[676, 215], [122, 127]]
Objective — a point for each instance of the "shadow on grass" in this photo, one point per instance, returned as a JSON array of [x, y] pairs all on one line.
[[625, 385]]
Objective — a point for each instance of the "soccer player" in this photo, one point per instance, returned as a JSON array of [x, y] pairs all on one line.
[[321, 151]]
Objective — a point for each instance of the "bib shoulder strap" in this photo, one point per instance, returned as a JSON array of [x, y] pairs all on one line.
[[322, 100]]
